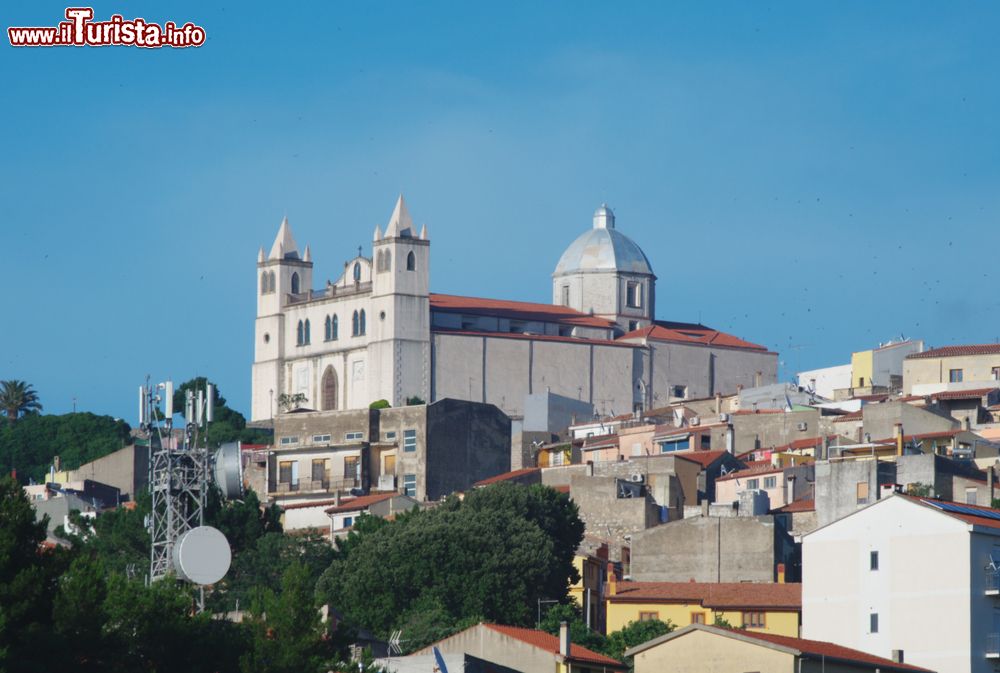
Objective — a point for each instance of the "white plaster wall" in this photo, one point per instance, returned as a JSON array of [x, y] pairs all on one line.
[[921, 590], [827, 379]]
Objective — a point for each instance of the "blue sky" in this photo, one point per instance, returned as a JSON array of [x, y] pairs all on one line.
[[814, 177]]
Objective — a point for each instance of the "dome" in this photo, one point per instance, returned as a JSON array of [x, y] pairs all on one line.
[[603, 248]]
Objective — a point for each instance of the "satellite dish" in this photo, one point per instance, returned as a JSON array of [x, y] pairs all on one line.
[[202, 555], [228, 471]]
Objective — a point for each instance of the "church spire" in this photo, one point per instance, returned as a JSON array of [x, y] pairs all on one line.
[[260, 255], [307, 256], [284, 244], [400, 224]]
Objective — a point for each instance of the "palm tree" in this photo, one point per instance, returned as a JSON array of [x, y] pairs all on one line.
[[18, 398]]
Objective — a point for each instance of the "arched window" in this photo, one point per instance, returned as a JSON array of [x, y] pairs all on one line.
[[328, 398], [306, 342], [326, 329], [295, 283], [411, 262], [357, 272], [354, 324], [387, 262], [263, 283], [361, 322], [333, 329], [299, 334], [271, 286]]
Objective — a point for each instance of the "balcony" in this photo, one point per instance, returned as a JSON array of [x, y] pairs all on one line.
[[325, 485], [992, 583], [993, 646]]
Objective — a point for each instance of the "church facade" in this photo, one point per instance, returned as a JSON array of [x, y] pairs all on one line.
[[377, 332]]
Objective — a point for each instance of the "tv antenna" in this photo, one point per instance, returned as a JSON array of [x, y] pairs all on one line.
[[179, 477]]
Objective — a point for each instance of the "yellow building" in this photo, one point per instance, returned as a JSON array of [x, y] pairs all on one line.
[[707, 649], [554, 455], [763, 607], [588, 591]]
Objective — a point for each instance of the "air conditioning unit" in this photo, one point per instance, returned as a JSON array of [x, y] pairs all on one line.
[[387, 482], [723, 418], [635, 477], [803, 426], [695, 420]]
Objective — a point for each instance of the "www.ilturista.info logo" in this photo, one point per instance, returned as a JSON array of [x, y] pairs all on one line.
[[81, 31]]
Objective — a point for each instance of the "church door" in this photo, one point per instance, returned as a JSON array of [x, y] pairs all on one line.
[[329, 389]]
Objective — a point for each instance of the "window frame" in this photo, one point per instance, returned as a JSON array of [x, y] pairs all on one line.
[[955, 375], [408, 445], [873, 622], [753, 484], [633, 294], [354, 435], [755, 619], [873, 560], [410, 484], [649, 616], [771, 482]]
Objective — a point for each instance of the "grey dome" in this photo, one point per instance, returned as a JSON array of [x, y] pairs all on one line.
[[603, 248]]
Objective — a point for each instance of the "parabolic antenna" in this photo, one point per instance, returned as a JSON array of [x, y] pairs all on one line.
[[202, 555], [229, 470]]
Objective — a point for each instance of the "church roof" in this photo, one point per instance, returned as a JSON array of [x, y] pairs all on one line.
[[603, 248], [517, 310], [691, 333]]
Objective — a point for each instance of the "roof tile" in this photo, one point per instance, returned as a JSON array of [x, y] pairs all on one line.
[[550, 643]]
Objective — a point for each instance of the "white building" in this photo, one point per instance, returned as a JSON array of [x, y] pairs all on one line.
[[910, 574], [377, 332], [825, 380]]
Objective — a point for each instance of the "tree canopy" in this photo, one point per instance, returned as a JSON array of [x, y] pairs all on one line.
[[228, 425], [30, 445], [491, 556]]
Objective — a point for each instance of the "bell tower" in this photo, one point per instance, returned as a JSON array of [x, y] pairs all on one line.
[[399, 350], [281, 274]]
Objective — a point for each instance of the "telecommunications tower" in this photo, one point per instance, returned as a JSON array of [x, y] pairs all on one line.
[[180, 472]]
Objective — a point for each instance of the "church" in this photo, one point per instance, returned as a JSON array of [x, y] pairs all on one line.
[[378, 332]]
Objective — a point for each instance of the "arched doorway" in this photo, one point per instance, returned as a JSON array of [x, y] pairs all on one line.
[[329, 384]]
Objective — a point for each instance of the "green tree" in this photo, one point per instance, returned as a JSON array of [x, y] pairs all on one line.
[[919, 489], [18, 398], [579, 633], [490, 557], [30, 445], [28, 578], [635, 633], [287, 635], [228, 425], [379, 404]]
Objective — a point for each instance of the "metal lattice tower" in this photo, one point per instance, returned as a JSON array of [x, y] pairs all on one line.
[[178, 471]]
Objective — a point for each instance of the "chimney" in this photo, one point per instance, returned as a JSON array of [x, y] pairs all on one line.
[[612, 581], [718, 403], [705, 507], [336, 498], [590, 468], [790, 490], [897, 432], [781, 573], [824, 451], [967, 424], [57, 463], [897, 656], [564, 644], [730, 439]]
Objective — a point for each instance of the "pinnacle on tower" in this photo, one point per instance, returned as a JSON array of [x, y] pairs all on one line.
[[284, 244], [260, 255], [400, 223], [377, 236], [307, 256], [423, 232]]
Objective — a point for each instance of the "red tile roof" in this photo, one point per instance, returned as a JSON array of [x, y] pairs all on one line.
[[712, 594], [822, 649], [962, 394], [749, 412], [703, 458], [754, 471], [518, 310], [691, 333], [808, 443], [954, 351], [880, 397], [797, 506], [506, 476], [535, 337], [548, 642], [355, 504], [601, 441], [853, 416]]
